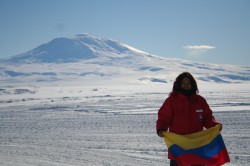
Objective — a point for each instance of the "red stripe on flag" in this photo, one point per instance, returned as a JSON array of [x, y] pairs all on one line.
[[216, 160]]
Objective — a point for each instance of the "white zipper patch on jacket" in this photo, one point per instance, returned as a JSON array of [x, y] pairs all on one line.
[[200, 110]]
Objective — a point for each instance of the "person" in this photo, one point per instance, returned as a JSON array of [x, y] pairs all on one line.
[[184, 111]]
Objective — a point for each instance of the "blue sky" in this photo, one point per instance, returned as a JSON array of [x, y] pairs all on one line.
[[213, 31]]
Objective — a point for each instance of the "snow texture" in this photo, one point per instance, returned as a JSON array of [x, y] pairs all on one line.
[[106, 125]]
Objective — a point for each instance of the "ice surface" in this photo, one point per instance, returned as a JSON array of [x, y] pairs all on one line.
[[106, 125]]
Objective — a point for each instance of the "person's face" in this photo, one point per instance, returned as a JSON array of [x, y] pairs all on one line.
[[186, 83]]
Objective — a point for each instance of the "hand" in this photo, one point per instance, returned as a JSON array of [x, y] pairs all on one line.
[[220, 127], [160, 133]]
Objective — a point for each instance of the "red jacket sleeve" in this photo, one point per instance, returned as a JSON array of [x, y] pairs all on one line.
[[209, 120], [164, 116]]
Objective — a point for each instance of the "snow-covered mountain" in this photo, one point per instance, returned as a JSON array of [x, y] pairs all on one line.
[[80, 47], [87, 58]]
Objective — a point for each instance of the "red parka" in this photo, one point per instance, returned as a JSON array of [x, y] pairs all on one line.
[[183, 114]]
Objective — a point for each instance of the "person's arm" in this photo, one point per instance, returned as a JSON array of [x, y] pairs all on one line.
[[164, 118], [209, 120]]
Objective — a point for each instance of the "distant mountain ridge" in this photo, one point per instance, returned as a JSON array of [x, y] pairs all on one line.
[[88, 58], [80, 47]]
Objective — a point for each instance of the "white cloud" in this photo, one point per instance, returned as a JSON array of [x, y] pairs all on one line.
[[197, 50]]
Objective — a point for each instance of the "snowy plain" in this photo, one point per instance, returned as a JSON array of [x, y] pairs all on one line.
[[107, 125]]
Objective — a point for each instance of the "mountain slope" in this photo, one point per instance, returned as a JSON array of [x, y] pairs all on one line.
[[83, 46], [87, 58]]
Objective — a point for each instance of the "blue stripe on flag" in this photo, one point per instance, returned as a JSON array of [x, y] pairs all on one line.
[[206, 151]]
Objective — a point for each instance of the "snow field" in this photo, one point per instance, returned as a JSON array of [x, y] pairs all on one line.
[[109, 125]]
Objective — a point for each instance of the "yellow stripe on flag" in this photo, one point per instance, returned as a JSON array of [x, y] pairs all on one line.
[[193, 140]]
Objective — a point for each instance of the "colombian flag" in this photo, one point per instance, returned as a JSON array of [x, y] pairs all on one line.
[[206, 147]]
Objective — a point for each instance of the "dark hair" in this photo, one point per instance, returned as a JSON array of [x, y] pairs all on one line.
[[177, 83]]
